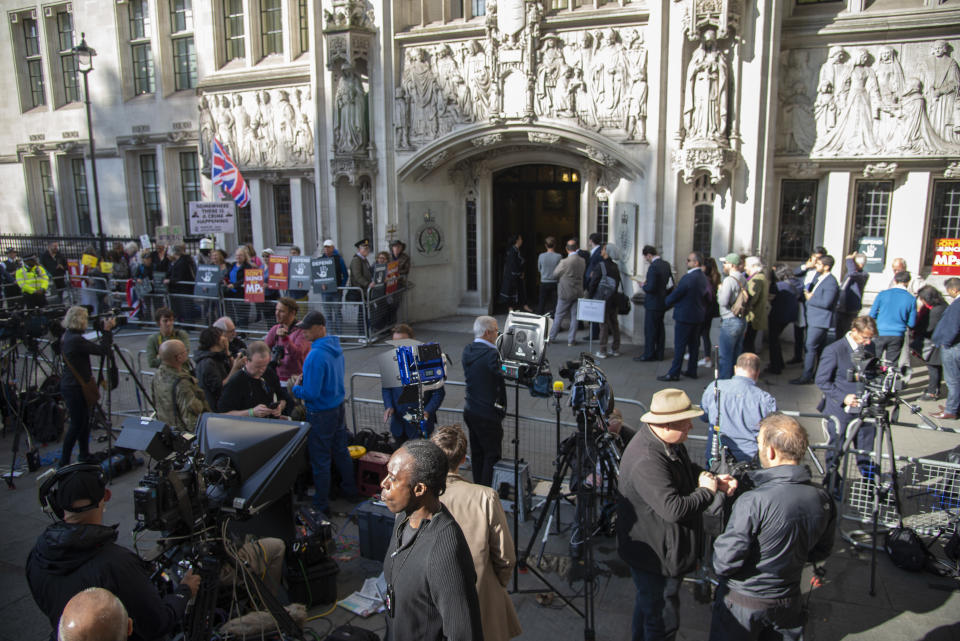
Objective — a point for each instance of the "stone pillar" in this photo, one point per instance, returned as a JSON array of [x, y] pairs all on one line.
[[256, 212], [905, 238], [832, 209], [296, 212]]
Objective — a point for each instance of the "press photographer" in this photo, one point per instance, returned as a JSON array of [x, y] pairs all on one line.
[[288, 344], [236, 341], [255, 389], [80, 552], [78, 387], [213, 364]]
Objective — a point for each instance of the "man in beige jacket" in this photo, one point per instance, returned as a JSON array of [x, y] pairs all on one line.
[[478, 512], [569, 276]]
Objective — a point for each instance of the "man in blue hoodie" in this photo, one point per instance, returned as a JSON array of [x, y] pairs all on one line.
[[321, 388], [895, 310], [486, 398]]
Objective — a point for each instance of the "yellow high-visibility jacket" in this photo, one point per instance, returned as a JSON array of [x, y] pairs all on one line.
[[32, 280]]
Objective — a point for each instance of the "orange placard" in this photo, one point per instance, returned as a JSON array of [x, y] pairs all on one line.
[[279, 272], [393, 274], [946, 260], [73, 266], [253, 285]]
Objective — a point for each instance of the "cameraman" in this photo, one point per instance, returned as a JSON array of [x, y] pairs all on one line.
[[80, 552], [840, 395], [486, 398], [235, 342], [394, 411], [164, 319], [289, 338], [255, 389], [213, 363], [77, 374], [773, 531]]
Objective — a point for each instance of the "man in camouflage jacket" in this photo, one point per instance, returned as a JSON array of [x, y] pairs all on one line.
[[178, 397]]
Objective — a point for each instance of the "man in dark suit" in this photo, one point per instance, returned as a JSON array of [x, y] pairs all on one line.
[[839, 393], [821, 297], [594, 241], [485, 398], [654, 305], [851, 291], [946, 336], [689, 302]]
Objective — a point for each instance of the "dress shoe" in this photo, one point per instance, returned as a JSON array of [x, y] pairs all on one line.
[[944, 416], [667, 378], [801, 381], [794, 361], [693, 376]]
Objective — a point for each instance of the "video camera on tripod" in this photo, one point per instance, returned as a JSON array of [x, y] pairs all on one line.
[[522, 346], [589, 390], [31, 324], [880, 383]]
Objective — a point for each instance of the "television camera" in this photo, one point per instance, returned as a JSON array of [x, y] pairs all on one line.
[[522, 346], [29, 325], [421, 368], [880, 383]]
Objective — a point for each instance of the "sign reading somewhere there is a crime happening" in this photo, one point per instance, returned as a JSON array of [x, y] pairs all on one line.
[[946, 260], [253, 285]]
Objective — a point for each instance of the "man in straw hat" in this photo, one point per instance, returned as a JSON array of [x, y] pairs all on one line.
[[660, 504]]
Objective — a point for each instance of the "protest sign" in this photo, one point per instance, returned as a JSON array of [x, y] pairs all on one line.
[[208, 281], [216, 217], [946, 259], [324, 275], [253, 285], [279, 267], [393, 276], [301, 275], [169, 235]]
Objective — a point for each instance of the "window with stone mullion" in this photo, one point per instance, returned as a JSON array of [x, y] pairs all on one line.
[[271, 27], [871, 209], [233, 30], [141, 53], [80, 196], [944, 215], [189, 180], [49, 198], [69, 72], [34, 63], [149, 182]]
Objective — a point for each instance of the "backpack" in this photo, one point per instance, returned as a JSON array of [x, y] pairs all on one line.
[[905, 548], [741, 304], [608, 285]]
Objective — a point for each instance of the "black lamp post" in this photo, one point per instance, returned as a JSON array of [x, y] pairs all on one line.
[[85, 54]]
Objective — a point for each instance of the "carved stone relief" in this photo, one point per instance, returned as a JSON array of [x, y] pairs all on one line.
[[261, 129], [597, 79], [887, 100], [350, 114]]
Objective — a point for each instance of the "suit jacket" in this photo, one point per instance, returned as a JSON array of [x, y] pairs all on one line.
[[820, 306], [689, 297], [592, 263], [832, 380], [360, 272], [479, 513], [947, 331], [854, 284], [655, 285], [569, 275]]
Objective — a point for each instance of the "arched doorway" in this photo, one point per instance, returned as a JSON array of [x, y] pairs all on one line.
[[534, 201]]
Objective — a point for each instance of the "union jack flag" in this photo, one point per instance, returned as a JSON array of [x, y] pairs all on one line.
[[227, 175]]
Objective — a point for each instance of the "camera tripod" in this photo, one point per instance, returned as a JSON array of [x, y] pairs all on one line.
[[573, 452]]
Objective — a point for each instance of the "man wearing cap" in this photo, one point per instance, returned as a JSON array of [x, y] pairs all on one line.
[[333, 310], [732, 328], [398, 251], [361, 273], [33, 281], [322, 390], [80, 552], [661, 499], [12, 263]]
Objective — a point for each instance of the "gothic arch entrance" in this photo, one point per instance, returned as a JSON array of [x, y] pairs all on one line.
[[534, 201]]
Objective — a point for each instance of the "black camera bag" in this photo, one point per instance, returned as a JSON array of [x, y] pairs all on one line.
[[905, 548]]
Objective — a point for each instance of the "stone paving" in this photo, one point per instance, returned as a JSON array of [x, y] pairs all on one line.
[[906, 606]]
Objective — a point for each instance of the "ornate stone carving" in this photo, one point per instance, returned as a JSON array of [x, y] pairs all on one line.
[[721, 15], [599, 157], [485, 141], [896, 100], [401, 119], [880, 170], [350, 114], [693, 160], [433, 161], [260, 129], [542, 138], [352, 168], [804, 170], [348, 14], [952, 170]]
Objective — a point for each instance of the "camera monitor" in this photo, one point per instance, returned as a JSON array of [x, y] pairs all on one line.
[[524, 337], [266, 455]]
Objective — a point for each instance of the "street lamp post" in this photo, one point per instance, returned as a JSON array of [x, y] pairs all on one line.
[[85, 56]]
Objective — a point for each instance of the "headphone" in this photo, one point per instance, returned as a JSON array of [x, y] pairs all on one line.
[[49, 500]]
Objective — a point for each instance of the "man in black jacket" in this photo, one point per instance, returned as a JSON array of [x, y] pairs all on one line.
[[80, 552], [486, 398], [213, 365], [654, 305], [181, 280], [660, 505], [774, 529]]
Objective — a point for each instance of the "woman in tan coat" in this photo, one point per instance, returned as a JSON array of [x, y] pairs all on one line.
[[478, 511]]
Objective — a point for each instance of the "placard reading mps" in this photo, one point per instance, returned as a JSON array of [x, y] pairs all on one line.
[[215, 217], [253, 285], [946, 260]]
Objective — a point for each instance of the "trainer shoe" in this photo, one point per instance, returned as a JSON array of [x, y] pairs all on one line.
[[704, 362], [600, 354]]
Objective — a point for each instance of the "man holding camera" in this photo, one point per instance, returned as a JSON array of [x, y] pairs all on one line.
[[255, 389], [214, 366], [486, 398], [661, 501], [80, 552], [774, 529], [177, 395], [164, 319], [235, 341], [322, 390], [287, 341], [840, 392]]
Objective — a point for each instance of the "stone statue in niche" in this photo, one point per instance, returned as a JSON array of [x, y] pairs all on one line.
[[831, 91], [207, 129], [401, 119], [242, 131], [635, 123], [891, 86], [705, 101], [854, 132], [225, 125], [549, 72], [285, 124], [423, 95], [943, 87], [350, 116], [303, 143], [796, 128], [607, 79]]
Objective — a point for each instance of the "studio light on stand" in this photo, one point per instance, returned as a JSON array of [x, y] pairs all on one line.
[[85, 54]]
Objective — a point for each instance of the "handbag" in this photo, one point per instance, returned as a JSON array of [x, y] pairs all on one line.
[[623, 303], [90, 389]]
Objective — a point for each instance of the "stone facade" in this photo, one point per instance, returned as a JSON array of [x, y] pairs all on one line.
[[764, 127]]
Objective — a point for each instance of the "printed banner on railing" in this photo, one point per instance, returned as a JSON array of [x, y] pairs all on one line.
[[279, 271], [946, 260], [253, 285]]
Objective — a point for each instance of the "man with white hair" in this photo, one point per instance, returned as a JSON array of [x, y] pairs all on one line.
[[94, 615], [486, 398]]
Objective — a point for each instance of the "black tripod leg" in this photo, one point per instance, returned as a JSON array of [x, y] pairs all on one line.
[[876, 510], [553, 498], [516, 484]]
